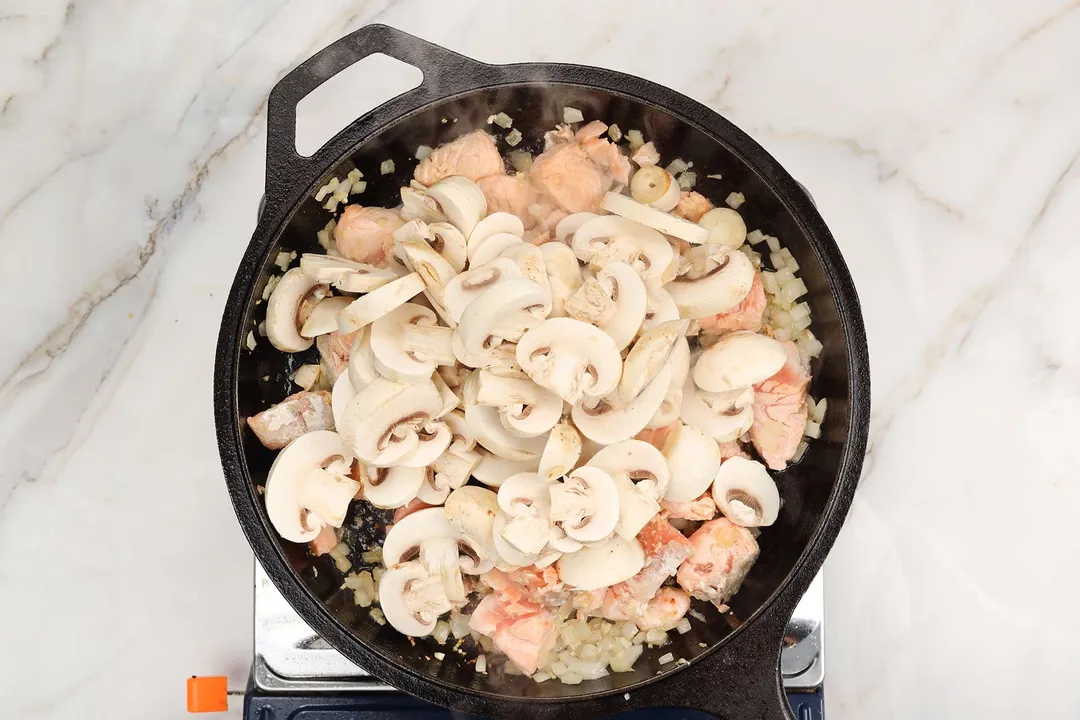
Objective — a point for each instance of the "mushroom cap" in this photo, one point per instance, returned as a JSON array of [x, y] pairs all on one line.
[[461, 435], [724, 420], [433, 490], [282, 310], [726, 227], [586, 504], [602, 565], [390, 488], [627, 289], [718, 290], [693, 459], [490, 432], [450, 243], [637, 461], [479, 323], [461, 200], [494, 247], [342, 394], [745, 492], [416, 205], [497, 223], [737, 360], [393, 356], [433, 438], [606, 424], [368, 308], [561, 451], [405, 537], [564, 275], [650, 354], [659, 308], [607, 237], [570, 358], [286, 494], [493, 470], [569, 225], [637, 507], [524, 493], [526, 409], [471, 284], [392, 589], [381, 422], [471, 511], [680, 370], [434, 270], [323, 318]]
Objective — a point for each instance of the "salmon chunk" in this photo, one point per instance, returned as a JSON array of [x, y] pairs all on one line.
[[723, 553], [366, 234], [473, 156], [780, 411], [525, 631], [692, 206], [701, 509], [747, 315], [509, 193], [304, 412], [569, 177], [665, 549]]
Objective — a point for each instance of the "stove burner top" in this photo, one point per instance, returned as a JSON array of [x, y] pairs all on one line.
[[291, 658]]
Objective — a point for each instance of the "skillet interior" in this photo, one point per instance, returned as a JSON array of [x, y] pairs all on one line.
[[263, 375]]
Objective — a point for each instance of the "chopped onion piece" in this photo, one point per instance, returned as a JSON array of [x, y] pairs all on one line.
[[715, 176], [283, 259], [358, 187], [774, 244], [666, 658], [687, 179], [614, 133], [440, 656], [423, 151], [813, 430], [789, 261], [481, 664], [735, 199], [676, 166], [441, 633], [326, 189], [635, 138], [354, 175], [343, 564], [502, 120], [572, 115], [520, 160], [768, 281], [777, 260], [513, 138], [387, 167], [754, 237], [377, 615], [251, 341], [541, 677], [683, 627]]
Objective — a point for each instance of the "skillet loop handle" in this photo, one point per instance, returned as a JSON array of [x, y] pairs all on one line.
[[444, 72]]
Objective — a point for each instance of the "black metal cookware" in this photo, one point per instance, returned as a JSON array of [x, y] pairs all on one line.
[[736, 673]]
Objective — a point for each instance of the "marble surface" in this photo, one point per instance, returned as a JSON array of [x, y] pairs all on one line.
[[940, 138]]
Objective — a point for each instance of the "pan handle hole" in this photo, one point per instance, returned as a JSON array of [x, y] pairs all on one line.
[[357, 89]]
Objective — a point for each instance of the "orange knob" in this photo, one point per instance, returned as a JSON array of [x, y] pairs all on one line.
[[207, 694]]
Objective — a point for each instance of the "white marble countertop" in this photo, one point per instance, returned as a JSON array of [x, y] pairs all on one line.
[[940, 140]]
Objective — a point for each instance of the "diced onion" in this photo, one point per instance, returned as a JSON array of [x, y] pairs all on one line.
[[513, 137], [423, 151], [441, 633], [656, 637], [387, 167], [572, 115], [777, 260], [774, 244], [635, 138], [676, 166], [541, 677], [754, 237], [377, 616], [251, 345], [683, 627], [768, 281], [358, 187], [687, 179], [666, 658], [789, 260], [735, 199], [481, 664], [440, 656], [614, 133], [503, 120], [813, 430], [520, 160]]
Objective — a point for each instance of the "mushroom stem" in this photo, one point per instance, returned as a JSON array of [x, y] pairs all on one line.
[[430, 342], [440, 557], [427, 598]]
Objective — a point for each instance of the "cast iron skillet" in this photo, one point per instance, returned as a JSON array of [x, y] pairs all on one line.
[[734, 659]]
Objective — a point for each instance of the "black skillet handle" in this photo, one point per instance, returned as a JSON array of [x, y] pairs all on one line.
[[445, 72]]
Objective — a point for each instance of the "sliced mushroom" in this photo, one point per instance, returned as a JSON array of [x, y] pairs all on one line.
[[592, 302], [559, 542], [693, 459], [361, 361], [323, 318], [489, 430], [344, 274], [650, 354], [450, 243], [603, 565], [427, 534], [525, 500], [639, 462], [745, 492], [586, 504], [561, 452], [671, 407], [726, 227], [412, 600], [526, 408], [653, 185], [610, 238], [659, 308], [493, 470], [432, 440], [454, 467], [570, 358], [434, 270], [471, 511], [564, 231], [309, 377], [654, 218], [509, 557], [434, 489], [627, 290], [493, 248], [602, 422], [416, 205], [739, 359], [383, 421], [283, 311], [390, 488], [725, 418], [369, 308], [461, 200], [531, 261], [341, 396], [309, 486], [471, 284], [497, 223], [481, 326], [719, 290], [564, 275], [450, 398], [398, 355]]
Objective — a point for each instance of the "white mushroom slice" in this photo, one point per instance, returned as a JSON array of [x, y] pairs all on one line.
[[659, 307], [547, 558], [309, 487], [637, 461], [493, 470], [531, 261], [561, 543], [342, 394], [671, 407], [428, 534], [636, 508], [723, 421], [411, 600], [570, 358], [382, 422], [610, 238], [493, 247], [524, 499], [653, 185], [469, 285], [361, 361], [601, 422], [508, 554], [497, 223], [501, 354], [726, 227], [561, 452], [369, 308], [564, 231], [526, 408], [432, 440], [390, 488], [745, 492], [471, 511], [651, 353], [654, 218], [283, 310], [449, 397], [479, 323], [395, 351], [453, 468], [461, 200], [627, 289], [564, 275], [738, 360], [434, 490], [602, 565], [586, 504], [491, 433], [435, 271], [592, 303], [719, 290], [450, 243], [693, 458], [416, 205], [345, 274], [461, 435], [323, 319]]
